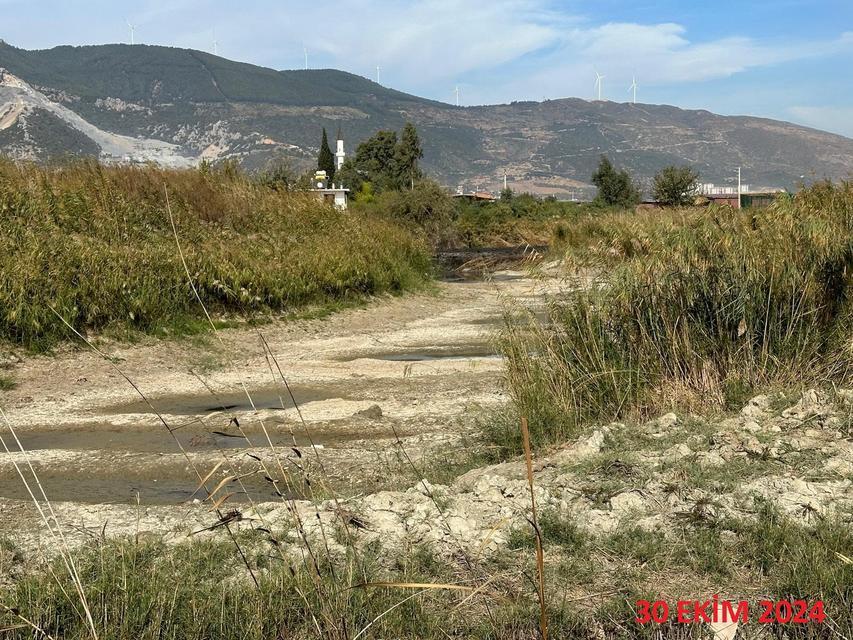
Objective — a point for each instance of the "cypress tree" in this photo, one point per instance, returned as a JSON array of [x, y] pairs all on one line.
[[326, 161], [407, 154]]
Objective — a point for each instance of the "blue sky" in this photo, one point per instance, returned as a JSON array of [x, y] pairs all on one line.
[[786, 59]]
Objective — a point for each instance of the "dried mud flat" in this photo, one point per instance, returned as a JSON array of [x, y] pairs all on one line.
[[383, 391], [406, 373]]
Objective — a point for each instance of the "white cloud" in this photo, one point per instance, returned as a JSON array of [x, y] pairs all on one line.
[[497, 51]]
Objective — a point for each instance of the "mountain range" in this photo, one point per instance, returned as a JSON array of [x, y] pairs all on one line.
[[179, 106]]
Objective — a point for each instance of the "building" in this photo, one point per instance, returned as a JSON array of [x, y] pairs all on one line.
[[340, 154], [711, 189], [329, 193], [749, 198], [474, 196]]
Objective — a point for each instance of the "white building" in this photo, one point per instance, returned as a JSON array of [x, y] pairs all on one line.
[[340, 154], [330, 193], [711, 189]]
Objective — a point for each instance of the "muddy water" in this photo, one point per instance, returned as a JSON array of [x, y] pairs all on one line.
[[273, 397], [148, 486], [114, 463], [194, 437]]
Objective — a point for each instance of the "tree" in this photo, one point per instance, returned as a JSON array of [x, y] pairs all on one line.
[[279, 174], [675, 186], [349, 176], [326, 161], [615, 188], [385, 162], [406, 157], [374, 160]]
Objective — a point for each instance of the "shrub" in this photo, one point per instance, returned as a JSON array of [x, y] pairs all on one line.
[[697, 304], [615, 188], [427, 208]]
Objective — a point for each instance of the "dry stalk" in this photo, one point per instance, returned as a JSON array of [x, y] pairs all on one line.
[[291, 506], [540, 555], [171, 431], [57, 535]]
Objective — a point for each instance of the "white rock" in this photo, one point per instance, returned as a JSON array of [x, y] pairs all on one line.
[[629, 501], [810, 404], [677, 452], [757, 407], [424, 487], [583, 448], [667, 421], [711, 459]]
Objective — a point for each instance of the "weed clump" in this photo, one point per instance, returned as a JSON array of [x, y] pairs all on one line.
[[699, 308]]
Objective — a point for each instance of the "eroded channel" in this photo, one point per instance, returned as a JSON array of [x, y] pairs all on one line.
[[121, 453]]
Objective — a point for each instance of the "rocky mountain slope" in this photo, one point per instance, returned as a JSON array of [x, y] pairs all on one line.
[[178, 106]]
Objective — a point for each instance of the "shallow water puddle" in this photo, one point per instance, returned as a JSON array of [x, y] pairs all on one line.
[[193, 437], [133, 461], [421, 356], [194, 404], [126, 486]]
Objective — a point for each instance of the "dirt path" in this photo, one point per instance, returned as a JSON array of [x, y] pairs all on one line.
[[415, 366]]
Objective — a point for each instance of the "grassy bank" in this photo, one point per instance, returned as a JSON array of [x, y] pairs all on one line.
[[695, 308], [203, 589], [96, 244]]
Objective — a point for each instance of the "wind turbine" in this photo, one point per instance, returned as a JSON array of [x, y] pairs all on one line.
[[377, 74], [457, 95], [132, 32], [305, 50], [597, 85], [633, 88], [215, 44]]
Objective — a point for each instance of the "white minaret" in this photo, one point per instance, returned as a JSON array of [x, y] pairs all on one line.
[[340, 154]]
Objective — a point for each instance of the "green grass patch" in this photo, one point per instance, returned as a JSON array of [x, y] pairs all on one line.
[[7, 382], [202, 589], [557, 529]]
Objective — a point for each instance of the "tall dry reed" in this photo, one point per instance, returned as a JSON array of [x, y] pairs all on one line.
[[96, 244], [693, 307]]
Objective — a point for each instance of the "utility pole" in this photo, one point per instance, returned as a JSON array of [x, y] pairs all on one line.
[[738, 188]]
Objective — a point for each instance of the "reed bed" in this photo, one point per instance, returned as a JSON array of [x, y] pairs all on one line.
[[95, 243], [694, 308]]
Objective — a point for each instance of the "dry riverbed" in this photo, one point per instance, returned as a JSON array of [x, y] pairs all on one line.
[[380, 448], [400, 379]]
